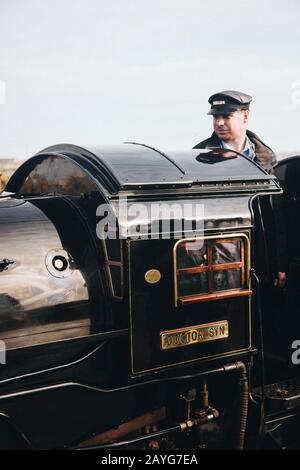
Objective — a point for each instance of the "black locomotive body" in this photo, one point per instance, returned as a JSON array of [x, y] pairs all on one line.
[[129, 303]]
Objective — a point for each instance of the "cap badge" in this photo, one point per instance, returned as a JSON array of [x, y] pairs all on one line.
[[218, 102]]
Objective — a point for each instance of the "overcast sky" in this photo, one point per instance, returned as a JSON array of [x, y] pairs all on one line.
[[98, 72]]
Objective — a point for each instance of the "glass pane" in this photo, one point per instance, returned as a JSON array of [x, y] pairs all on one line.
[[58, 175], [226, 279], [191, 254], [189, 284], [226, 252]]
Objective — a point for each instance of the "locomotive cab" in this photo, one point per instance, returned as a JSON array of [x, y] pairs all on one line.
[[129, 302]]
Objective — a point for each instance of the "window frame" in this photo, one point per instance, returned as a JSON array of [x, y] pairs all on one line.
[[243, 265]]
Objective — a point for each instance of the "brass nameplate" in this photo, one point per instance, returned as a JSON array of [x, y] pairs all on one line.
[[194, 335]]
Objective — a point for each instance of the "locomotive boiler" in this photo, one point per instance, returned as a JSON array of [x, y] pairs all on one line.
[[130, 311]]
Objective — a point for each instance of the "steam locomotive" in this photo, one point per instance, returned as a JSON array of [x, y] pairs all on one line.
[[131, 307]]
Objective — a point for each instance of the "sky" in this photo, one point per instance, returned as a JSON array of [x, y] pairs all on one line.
[[103, 72]]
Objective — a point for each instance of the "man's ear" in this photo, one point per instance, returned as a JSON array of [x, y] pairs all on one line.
[[246, 115]]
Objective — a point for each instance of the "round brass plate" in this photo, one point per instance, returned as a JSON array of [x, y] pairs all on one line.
[[152, 276]]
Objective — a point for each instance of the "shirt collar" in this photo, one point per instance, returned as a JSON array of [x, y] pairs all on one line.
[[248, 150]]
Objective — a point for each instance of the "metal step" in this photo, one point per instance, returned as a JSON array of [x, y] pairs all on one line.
[[280, 396]]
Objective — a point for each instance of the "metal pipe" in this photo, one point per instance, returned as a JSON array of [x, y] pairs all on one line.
[[184, 426], [204, 393], [242, 418], [243, 408]]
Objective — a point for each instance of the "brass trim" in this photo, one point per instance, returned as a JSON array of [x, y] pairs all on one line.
[[192, 335], [209, 262], [214, 267], [190, 299], [243, 280]]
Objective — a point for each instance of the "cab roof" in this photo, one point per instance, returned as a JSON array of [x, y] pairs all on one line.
[[134, 166]]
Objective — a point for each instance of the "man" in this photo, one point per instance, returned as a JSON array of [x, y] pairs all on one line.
[[230, 111]]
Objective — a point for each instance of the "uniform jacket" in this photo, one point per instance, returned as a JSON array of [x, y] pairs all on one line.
[[264, 155], [270, 249]]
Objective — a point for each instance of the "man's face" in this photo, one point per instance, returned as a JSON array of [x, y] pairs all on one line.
[[231, 126]]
